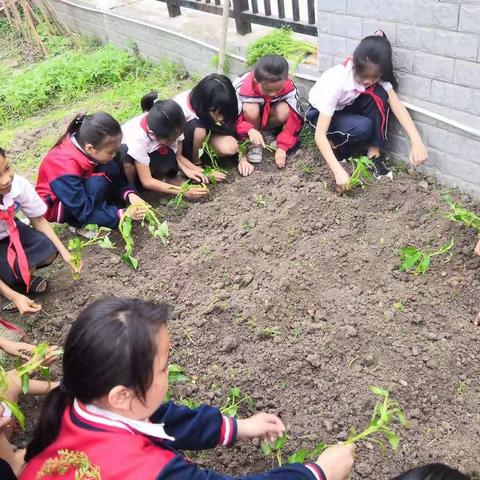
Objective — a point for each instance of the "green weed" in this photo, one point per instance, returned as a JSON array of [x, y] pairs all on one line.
[[418, 261], [259, 201], [362, 172], [279, 42], [271, 332], [307, 137], [233, 402], [399, 306], [459, 214], [306, 169], [175, 375]]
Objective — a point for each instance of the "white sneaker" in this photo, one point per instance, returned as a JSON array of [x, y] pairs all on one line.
[[255, 154], [89, 234]]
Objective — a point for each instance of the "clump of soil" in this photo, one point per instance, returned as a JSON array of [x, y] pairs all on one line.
[[293, 302]]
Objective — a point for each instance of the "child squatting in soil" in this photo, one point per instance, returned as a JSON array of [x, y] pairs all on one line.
[[78, 180], [152, 148], [269, 101], [24, 248], [210, 108], [114, 403], [349, 108]]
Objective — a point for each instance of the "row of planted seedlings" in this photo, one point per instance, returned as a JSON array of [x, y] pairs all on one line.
[[386, 415]]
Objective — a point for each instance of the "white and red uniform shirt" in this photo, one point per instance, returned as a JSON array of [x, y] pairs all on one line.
[[139, 143], [337, 88], [183, 99], [248, 92], [22, 196]]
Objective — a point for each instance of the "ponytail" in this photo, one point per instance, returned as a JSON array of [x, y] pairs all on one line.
[[148, 100], [94, 129], [48, 426]]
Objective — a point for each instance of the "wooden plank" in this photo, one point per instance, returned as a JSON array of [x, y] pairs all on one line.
[[243, 25], [268, 8], [311, 12], [281, 8], [173, 9], [275, 22], [254, 6], [296, 10]]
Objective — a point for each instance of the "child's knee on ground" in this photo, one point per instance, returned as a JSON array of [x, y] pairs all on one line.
[[251, 113], [225, 146], [279, 114]]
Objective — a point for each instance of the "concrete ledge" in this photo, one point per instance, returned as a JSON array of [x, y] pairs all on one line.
[[451, 141]]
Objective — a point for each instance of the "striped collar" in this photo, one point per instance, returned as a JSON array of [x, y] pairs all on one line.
[[101, 417]]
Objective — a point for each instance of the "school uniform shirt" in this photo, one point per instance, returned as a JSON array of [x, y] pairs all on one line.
[[132, 450], [183, 99], [140, 143], [337, 88], [248, 92], [22, 196], [61, 184]]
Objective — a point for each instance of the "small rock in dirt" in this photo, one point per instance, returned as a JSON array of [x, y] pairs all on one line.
[[415, 413], [415, 351], [351, 331], [328, 425], [314, 360], [247, 279], [403, 383], [368, 360], [294, 181], [229, 344], [267, 249], [423, 185], [363, 469], [342, 436], [432, 336], [319, 317]]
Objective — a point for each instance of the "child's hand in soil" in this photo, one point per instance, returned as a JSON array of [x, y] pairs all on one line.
[[280, 158], [418, 154], [195, 193], [342, 179], [24, 304], [245, 168], [477, 248], [219, 176], [256, 137], [17, 349], [196, 174], [337, 462], [264, 425]]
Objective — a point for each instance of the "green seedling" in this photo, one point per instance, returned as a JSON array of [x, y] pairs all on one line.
[[271, 332], [460, 214], [211, 174], [259, 201], [274, 449], [385, 413], [156, 228], [244, 145], [233, 402], [76, 245], [189, 403], [208, 150], [399, 306], [306, 169], [37, 363], [175, 375], [179, 200], [418, 261], [13, 407], [67, 460], [362, 172]]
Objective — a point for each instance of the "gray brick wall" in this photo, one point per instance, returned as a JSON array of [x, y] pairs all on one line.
[[436, 46]]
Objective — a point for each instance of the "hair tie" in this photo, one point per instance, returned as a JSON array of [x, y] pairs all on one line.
[[156, 100], [79, 120]]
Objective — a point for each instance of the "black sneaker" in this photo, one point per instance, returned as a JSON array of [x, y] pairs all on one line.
[[380, 169]]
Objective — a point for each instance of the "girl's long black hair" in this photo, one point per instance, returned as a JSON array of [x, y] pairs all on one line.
[[433, 471], [215, 93], [165, 118], [111, 343], [94, 129], [376, 50]]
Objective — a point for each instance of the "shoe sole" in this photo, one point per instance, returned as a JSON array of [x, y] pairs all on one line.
[[389, 175]]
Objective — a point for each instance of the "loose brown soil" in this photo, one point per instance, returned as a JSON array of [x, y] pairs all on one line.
[[293, 303]]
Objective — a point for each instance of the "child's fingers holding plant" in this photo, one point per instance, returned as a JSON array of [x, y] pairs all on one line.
[[17, 349], [256, 137], [280, 158], [26, 305], [219, 176], [75, 265], [418, 154], [195, 193], [342, 179], [337, 461], [262, 425], [137, 212], [245, 168], [133, 198]]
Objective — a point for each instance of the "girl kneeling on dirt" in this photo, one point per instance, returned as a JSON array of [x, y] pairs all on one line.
[[152, 148], [269, 102], [78, 180], [210, 108], [113, 403], [24, 249], [349, 107]]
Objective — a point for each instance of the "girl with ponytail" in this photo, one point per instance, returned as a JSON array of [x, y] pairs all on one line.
[[108, 409], [78, 180]]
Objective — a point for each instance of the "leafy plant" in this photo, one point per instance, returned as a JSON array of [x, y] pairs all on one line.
[[179, 200], [460, 214], [399, 306], [13, 407], [76, 245], [189, 403], [208, 150], [275, 448], [233, 402], [259, 201], [271, 332], [385, 413], [418, 261], [36, 362], [156, 228], [362, 172], [210, 173], [70, 459], [279, 42], [175, 375]]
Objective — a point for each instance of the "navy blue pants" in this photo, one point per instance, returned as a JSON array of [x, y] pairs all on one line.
[[363, 123]]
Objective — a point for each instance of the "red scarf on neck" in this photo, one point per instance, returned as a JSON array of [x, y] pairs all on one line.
[[15, 248]]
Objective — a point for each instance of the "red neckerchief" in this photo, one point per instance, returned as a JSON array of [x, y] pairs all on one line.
[[15, 248], [162, 149]]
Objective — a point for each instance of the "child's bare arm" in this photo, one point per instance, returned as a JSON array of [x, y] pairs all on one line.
[[23, 303], [150, 183]]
